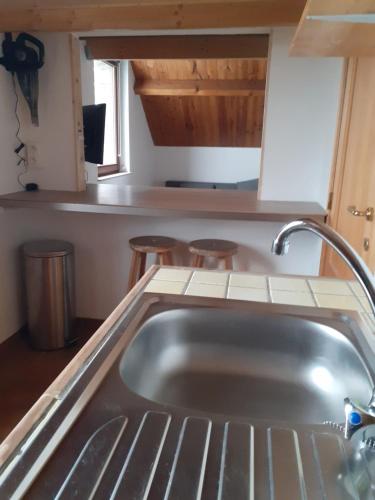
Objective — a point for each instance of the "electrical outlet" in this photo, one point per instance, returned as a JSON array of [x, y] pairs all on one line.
[[32, 156]]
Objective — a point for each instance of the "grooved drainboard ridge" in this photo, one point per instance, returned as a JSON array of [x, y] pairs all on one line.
[[194, 458]]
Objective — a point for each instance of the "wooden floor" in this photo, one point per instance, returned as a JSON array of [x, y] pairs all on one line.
[[25, 374]]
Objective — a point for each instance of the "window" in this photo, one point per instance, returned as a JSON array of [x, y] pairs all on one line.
[[106, 91]]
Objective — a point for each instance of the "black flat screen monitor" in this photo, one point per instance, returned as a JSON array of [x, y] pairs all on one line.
[[93, 127]]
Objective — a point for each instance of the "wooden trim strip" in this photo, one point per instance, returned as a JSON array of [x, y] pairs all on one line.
[[79, 149], [338, 164], [177, 47], [244, 88]]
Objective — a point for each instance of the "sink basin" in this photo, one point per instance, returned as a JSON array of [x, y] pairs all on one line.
[[265, 366], [191, 397]]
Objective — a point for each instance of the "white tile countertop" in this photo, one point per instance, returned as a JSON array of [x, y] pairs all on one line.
[[299, 291]]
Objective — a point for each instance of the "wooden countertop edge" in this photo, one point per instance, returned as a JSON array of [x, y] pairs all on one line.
[[18, 434], [261, 216], [161, 201]]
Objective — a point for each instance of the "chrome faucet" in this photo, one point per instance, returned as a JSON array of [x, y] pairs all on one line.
[[280, 246], [356, 416]]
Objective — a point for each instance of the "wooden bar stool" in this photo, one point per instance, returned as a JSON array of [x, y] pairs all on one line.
[[220, 249], [162, 246]]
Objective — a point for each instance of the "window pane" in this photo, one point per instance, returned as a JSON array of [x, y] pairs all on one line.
[[105, 92]]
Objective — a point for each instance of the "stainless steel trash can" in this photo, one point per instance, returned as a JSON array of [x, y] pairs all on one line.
[[49, 273]]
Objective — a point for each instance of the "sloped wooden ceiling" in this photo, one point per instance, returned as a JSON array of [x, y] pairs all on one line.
[[215, 102]]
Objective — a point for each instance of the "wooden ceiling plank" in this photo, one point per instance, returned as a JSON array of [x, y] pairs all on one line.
[[324, 38], [246, 88], [177, 47], [87, 15], [228, 113]]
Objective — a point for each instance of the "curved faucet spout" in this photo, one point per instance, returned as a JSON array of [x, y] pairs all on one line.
[[338, 243]]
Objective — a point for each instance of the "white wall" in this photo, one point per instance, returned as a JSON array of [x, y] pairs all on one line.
[[206, 164], [54, 138], [11, 310], [138, 144], [300, 123], [87, 78], [299, 130], [55, 143], [103, 256], [88, 97]]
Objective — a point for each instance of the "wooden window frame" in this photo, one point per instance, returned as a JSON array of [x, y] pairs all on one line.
[[104, 170]]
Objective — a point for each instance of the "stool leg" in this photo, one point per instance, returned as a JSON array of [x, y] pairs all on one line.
[[133, 270], [199, 261], [228, 263], [142, 265], [163, 259], [169, 258]]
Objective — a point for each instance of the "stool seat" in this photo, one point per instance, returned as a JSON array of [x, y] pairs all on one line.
[[220, 249], [152, 244], [162, 246], [213, 248]]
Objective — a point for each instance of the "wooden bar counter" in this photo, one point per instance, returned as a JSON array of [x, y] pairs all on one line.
[[164, 202]]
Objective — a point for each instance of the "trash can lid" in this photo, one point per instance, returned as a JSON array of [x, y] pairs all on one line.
[[47, 248]]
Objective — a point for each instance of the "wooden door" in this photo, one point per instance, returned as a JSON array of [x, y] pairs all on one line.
[[354, 173]]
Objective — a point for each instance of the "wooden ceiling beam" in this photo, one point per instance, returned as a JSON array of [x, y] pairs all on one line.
[[326, 30], [178, 47], [244, 88], [87, 15]]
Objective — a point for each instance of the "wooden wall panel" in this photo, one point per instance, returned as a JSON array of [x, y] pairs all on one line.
[[332, 28], [209, 120]]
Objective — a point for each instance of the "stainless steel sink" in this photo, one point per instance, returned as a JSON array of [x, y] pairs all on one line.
[[273, 367], [201, 398]]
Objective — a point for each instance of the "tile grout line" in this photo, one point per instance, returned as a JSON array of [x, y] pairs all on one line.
[[187, 283], [351, 286], [227, 285], [357, 297], [363, 308], [270, 301], [312, 293]]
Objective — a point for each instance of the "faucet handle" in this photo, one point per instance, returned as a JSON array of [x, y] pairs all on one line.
[[357, 416]]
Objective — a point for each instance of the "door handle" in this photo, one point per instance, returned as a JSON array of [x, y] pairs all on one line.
[[368, 213]]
